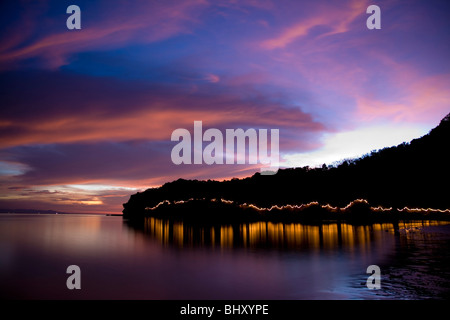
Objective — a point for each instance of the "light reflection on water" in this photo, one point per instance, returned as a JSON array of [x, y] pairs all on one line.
[[271, 235], [414, 255], [163, 259]]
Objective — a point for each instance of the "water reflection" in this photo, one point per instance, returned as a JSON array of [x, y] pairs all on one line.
[[271, 235], [166, 259]]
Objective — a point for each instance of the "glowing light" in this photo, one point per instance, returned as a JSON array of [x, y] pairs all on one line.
[[353, 144], [90, 202], [98, 187], [423, 210], [303, 206]]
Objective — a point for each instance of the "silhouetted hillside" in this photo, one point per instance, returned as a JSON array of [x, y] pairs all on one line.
[[411, 174]]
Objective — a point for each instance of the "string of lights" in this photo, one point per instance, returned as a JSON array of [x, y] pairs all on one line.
[[303, 206]]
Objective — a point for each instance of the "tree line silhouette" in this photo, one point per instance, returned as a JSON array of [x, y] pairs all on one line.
[[413, 175]]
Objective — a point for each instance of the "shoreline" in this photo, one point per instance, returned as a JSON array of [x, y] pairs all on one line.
[[209, 211]]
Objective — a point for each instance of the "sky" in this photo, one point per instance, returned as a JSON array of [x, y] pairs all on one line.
[[86, 115]]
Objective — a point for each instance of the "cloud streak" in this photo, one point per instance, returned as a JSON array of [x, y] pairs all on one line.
[[111, 25], [335, 20], [118, 111]]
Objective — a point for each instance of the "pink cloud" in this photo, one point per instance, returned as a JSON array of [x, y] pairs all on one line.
[[425, 100], [212, 78], [121, 111], [149, 124], [337, 19]]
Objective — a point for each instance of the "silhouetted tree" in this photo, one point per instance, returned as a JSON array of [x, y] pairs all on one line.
[[411, 174]]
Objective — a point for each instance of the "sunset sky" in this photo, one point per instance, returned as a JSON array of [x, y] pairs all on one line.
[[86, 115]]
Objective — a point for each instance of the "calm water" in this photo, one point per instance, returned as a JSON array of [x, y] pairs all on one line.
[[171, 260]]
